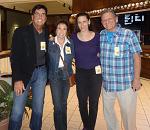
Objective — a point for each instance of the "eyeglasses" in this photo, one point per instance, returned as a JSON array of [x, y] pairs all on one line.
[[108, 20], [39, 14]]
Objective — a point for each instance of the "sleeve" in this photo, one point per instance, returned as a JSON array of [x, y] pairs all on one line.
[[16, 56], [73, 51], [72, 40], [97, 42], [73, 36], [134, 43]]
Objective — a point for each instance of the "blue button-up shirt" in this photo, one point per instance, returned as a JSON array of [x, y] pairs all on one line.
[[118, 70]]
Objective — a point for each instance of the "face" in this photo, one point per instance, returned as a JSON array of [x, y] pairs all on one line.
[[109, 21], [83, 23], [61, 30], [39, 17]]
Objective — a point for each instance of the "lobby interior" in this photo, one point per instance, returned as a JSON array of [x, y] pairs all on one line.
[[134, 14]]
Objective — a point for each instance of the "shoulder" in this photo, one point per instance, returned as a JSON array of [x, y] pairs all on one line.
[[27, 27], [70, 40], [97, 34], [127, 32], [51, 43], [73, 36], [102, 32], [23, 29], [52, 47]]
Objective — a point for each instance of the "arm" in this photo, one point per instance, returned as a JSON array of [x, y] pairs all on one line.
[[135, 49], [137, 68], [16, 56], [15, 63]]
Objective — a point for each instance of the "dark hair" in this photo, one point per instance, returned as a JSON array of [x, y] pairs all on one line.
[[108, 11], [63, 22], [37, 7], [76, 21]]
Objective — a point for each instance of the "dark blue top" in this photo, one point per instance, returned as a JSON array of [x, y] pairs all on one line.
[[53, 59], [86, 52]]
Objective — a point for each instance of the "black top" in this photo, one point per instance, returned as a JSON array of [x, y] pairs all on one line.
[[40, 47]]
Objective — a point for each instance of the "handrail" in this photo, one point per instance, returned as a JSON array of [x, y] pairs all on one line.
[[4, 54]]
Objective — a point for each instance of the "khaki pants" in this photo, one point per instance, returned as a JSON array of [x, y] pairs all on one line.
[[127, 100]]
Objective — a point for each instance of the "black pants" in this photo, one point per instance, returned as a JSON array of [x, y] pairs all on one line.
[[88, 91]]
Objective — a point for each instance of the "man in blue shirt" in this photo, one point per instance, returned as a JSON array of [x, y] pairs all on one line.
[[121, 64]]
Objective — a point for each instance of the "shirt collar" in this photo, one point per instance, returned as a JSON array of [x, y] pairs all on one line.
[[117, 31], [66, 40]]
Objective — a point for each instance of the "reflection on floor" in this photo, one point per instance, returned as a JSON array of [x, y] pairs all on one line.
[[74, 121]]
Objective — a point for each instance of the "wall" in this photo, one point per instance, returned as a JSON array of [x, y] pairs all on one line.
[[15, 20]]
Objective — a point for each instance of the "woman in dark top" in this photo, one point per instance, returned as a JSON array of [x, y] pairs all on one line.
[[88, 70]]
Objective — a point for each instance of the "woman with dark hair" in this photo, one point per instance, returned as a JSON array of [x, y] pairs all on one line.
[[88, 70], [60, 56]]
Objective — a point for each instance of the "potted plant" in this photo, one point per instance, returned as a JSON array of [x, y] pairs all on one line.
[[6, 101]]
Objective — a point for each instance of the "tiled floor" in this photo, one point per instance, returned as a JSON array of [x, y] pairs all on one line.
[[74, 121]]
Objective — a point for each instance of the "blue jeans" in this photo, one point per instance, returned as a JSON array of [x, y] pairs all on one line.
[[60, 91], [37, 84]]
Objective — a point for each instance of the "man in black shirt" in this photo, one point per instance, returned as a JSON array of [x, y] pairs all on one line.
[[28, 69]]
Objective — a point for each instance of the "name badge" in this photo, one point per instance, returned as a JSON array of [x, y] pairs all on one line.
[[116, 51], [43, 46], [98, 69], [68, 50]]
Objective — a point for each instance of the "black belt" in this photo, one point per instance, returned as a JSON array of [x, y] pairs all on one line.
[[61, 69], [39, 66]]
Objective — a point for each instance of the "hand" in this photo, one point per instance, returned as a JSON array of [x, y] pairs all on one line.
[[98, 55], [136, 84], [51, 38], [19, 87]]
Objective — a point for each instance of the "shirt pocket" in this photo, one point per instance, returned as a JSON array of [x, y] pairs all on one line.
[[123, 51]]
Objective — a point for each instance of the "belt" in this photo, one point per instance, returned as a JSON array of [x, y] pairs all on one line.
[[39, 66], [61, 69]]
